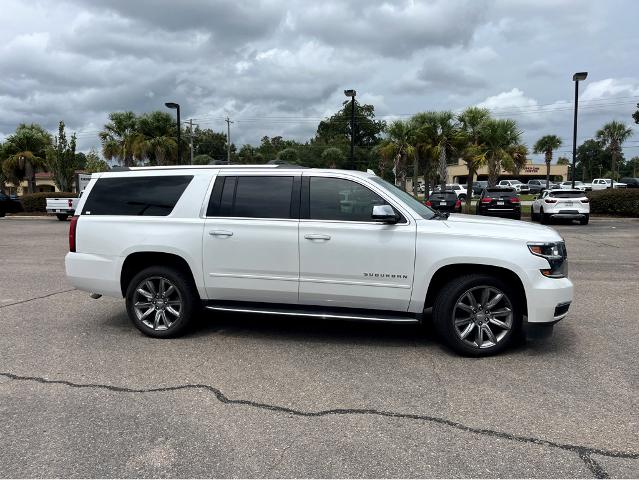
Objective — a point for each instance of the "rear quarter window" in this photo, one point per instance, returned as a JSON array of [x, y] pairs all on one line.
[[136, 196]]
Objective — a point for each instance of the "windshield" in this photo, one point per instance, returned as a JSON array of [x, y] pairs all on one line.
[[568, 194], [419, 208], [515, 182]]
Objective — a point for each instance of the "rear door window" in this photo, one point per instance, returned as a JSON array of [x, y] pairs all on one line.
[[136, 196], [253, 197]]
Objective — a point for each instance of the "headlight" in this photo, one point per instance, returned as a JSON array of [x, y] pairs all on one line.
[[555, 254]]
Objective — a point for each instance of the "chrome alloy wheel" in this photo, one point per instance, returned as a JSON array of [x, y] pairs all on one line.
[[482, 316], [157, 303]]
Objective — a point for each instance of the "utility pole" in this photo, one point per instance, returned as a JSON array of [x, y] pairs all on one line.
[[228, 140]]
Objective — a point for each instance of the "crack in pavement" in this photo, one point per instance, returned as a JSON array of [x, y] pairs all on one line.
[[37, 298], [585, 453]]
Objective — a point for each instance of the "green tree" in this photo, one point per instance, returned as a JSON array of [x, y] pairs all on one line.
[[636, 115], [288, 155], [203, 159], [94, 163], [563, 161], [612, 136], [25, 151], [156, 139], [61, 160], [3, 177], [501, 143], [396, 149], [119, 137], [211, 143], [592, 160], [333, 157], [471, 122], [546, 145]]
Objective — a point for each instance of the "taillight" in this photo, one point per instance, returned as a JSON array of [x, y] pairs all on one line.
[[514, 200], [458, 203], [70, 203], [428, 203], [486, 200], [72, 229], [550, 200], [585, 200]]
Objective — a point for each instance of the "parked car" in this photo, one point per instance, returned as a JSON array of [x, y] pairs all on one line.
[[460, 190], [561, 203], [536, 186], [479, 186], [586, 187], [499, 202], [516, 184], [277, 240], [446, 201], [63, 208], [604, 183], [9, 204], [631, 182]]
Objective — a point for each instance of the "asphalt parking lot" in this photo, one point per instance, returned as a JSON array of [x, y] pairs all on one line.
[[84, 394]]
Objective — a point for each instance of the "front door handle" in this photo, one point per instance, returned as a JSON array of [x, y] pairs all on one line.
[[316, 236], [221, 233]]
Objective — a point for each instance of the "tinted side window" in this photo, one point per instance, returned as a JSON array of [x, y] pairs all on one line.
[[253, 197], [156, 195], [338, 199]]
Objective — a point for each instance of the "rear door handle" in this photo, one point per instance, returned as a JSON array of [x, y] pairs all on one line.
[[316, 236], [221, 233]]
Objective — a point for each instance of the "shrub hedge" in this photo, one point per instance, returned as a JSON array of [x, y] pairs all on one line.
[[621, 201], [37, 202]]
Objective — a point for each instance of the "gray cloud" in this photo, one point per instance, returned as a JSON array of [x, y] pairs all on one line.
[[277, 67]]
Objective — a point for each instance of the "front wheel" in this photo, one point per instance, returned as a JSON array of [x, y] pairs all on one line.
[[161, 301], [477, 314]]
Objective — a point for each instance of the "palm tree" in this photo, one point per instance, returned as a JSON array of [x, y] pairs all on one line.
[[546, 145], [471, 122], [501, 138], [25, 151], [119, 137], [397, 147], [612, 136]]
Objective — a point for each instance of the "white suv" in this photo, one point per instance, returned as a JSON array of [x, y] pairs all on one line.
[[516, 184], [604, 183], [561, 203], [310, 243]]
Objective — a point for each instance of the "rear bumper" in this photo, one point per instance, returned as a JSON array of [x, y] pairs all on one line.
[[94, 273]]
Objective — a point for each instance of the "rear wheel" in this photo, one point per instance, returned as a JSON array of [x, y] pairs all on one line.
[[585, 219], [544, 217], [62, 216], [477, 314], [161, 301]]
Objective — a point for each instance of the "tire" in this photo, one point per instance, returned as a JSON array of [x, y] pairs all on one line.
[[446, 310], [160, 321], [585, 220], [62, 216], [544, 218], [462, 198], [517, 217], [2, 214], [533, 215]]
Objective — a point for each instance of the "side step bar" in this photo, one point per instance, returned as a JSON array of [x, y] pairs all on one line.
[[361, 315]]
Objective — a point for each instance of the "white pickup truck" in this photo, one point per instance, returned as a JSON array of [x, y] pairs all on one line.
[[311, 243], [63, 208], [603, 183]]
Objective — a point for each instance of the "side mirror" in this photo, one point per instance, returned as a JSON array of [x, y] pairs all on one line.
[[384, 213]]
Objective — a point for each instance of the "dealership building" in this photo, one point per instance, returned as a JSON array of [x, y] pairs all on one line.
[[459, 173]]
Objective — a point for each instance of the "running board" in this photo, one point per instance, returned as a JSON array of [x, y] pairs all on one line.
[[360, 315]]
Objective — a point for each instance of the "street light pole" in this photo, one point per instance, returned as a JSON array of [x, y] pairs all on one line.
[[228, 140], [576, 78], [176, 106], [352, 93]]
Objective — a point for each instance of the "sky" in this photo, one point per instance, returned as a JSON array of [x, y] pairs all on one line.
[[278, 67]]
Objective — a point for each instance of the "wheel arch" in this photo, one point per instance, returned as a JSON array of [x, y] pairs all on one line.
[[137, 261], [447, 273]]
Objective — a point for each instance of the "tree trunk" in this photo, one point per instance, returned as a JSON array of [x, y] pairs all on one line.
[[493, 171], [548, 160], [443, 168], [415, 175], [469, 186], [30, 177]]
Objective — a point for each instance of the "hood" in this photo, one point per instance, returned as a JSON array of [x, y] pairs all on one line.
[[479, 225]]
